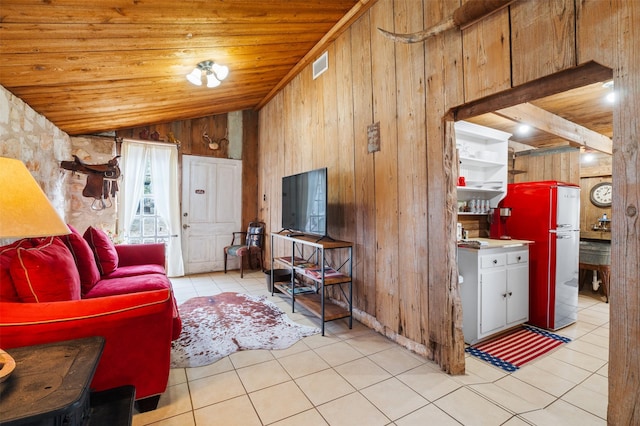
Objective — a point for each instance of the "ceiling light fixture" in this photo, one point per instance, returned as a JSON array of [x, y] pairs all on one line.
[[611, 96], [215, 73], [524, 129]]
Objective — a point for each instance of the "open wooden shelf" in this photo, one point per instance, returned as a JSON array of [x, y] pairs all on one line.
[[313, 303], [305, 268]]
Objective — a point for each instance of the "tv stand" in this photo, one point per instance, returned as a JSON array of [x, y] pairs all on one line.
[[313, 271], [290, 233], [294, 234], [324, 237]]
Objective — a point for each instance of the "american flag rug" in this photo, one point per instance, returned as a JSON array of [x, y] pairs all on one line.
[[511, 351]]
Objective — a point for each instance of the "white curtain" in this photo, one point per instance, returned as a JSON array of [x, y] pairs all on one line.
[[164, 175], [164, 178], [133, 169]]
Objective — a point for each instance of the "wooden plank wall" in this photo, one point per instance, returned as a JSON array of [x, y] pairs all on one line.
[[592, 172], [561, 166], [189, 133], [444, 78], [624, 296], [398, 204]]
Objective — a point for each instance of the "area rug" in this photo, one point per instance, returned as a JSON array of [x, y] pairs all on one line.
[[216, 326], [512, 350]]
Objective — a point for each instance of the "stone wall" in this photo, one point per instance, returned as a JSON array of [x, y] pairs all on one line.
[[30, 137], [82, 211]]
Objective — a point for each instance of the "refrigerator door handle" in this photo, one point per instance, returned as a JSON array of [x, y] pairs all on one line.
[[564, 226], [563, 236]]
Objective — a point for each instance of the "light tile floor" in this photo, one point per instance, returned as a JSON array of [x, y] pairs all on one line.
[[358, 377]]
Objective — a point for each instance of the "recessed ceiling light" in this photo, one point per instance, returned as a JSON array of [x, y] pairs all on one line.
[[611, 97], [524, 129]]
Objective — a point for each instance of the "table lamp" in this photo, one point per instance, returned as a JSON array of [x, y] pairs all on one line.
[[25, 210]]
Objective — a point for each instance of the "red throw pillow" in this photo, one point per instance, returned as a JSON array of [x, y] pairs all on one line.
[[103, 249], [46, 273], [7, 253], [84, 258]]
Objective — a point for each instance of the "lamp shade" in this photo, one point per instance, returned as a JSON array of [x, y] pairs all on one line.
[[195, 76], [222, 71], [212, 81], [25, 210]]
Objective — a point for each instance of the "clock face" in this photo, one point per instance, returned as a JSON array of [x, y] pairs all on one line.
[[601, 194]]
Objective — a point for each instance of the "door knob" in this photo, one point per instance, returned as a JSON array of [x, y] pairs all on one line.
[[185, 226]]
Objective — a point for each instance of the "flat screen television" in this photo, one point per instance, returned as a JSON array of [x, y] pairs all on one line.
[[304, 202]]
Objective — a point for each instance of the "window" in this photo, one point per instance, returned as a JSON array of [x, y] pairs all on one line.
[[147, 226]]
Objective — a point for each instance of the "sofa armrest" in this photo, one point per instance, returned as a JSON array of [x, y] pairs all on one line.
[[141, 254], [137, 329]]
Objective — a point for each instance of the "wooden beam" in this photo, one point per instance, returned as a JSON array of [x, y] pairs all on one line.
[[587, 73], [546, 121]]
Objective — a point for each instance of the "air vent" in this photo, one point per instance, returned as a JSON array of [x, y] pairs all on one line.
[[320, 65]]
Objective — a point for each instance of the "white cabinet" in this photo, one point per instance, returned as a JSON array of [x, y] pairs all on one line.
[[483, 156], [495, 290]]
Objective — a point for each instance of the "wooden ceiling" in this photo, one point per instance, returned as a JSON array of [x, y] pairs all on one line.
[[92, 67], [98, 66]]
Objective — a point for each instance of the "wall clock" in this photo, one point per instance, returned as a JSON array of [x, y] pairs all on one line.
[[601, 194]]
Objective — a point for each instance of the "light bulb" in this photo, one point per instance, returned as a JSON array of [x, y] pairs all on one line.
[[611, 97], [524, 129], [212, 81], [195, 77], [222, 71]]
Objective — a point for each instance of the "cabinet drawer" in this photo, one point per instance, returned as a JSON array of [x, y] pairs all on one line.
[[492, 260], [517, 257]]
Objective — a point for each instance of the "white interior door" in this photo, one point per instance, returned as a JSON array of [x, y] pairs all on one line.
[[211, 211]]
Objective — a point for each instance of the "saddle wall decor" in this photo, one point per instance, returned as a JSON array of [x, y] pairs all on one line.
[[102, 180]]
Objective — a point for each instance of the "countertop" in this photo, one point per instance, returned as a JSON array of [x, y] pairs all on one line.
[[486, 243]]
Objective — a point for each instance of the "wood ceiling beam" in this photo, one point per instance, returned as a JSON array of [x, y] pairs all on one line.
[[548, 122], [571, 78]]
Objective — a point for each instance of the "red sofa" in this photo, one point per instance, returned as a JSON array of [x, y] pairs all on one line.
[[68, 287]]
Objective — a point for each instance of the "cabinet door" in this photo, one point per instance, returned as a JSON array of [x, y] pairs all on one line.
[[493, 300], [517, 293]]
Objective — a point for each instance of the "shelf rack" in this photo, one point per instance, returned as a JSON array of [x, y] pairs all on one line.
[[308, 262], [482, 153]]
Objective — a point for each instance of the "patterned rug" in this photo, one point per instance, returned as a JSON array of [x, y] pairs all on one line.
[[511, 351], [216, 326]]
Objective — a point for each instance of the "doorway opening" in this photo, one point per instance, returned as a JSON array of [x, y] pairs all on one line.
[[571, 99]]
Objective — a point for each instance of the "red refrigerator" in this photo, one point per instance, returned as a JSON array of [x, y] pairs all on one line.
[[547, 213]]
